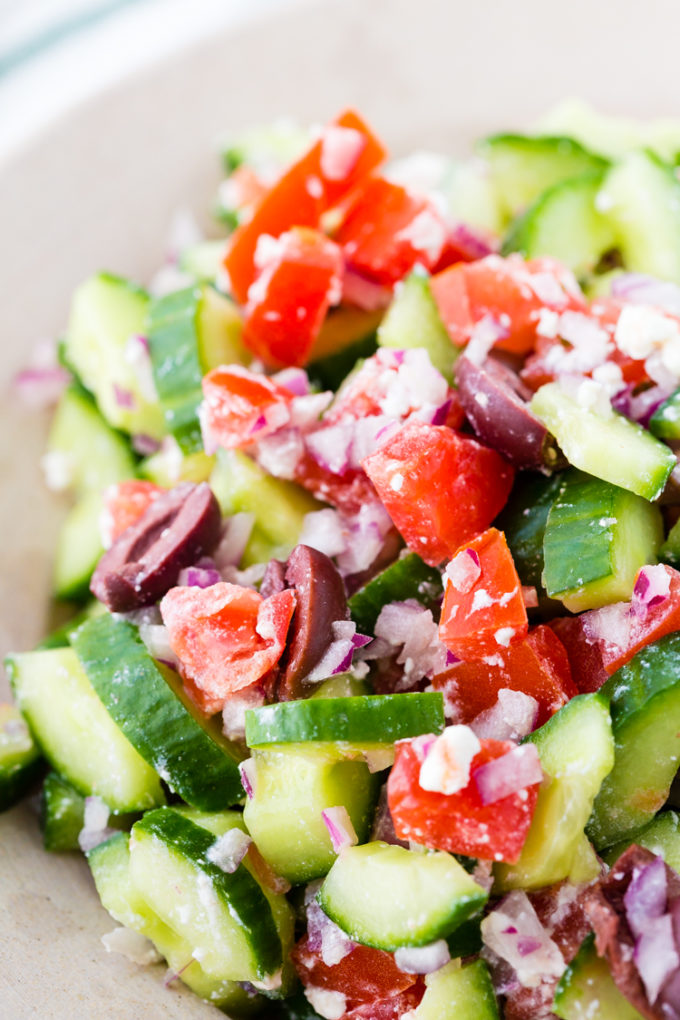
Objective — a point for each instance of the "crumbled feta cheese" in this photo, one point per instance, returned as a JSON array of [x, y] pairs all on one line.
[[548, 323], [481, 600], [641, 329], [229, 849], [340, 150], [58, 468], [426, 233], [330, 1005], [446, 768], [504, 636], [593, 396], [397, 482]]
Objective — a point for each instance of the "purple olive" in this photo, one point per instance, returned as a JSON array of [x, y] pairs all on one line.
[[495, 403], [274, 579], [321, 600], [144, 562]]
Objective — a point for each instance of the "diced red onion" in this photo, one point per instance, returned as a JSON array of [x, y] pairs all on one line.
[[463, 570], [235, 535], [331, 447], [645, 897], [340, 828], [655, 955], [280, 453], [247, 772], [652, 587], [294, 379], [379, 758], [472, 243], [412, 629], [647, 290], [369, 434], [324, 530], [640, 406], [157, 640], [124, 398], [41, 387], [202, 575], [487, 332], [439, 415], [513, 716], [363, 293], [365, 534], [508, 774], [513, 922], [229, 849], [416, 384], [306, 410], [235, 708], [324, 936], [132, 945], [338, 656], [422, 959], [529, 596], [145, 445]]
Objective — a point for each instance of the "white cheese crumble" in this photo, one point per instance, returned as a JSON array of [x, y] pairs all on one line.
[[504, 636], [640, 330], [446, 768], [425, 233], [330, 1005], [340, 150], [132, 945], [58, 469], [229, 849]]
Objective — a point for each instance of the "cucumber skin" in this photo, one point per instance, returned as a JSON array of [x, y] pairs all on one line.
[[645, 709], [661, 836], [407, 578], [61, 814], [523, 522], [239, 892], [456, 992], [586, 990], [372, 719], [137, 695]]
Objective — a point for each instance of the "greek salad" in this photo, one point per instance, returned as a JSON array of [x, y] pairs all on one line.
[[368, 705]]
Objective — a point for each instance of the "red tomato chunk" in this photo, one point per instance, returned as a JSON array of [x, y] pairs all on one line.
[[363, 976], [124, 504], [242, 406]]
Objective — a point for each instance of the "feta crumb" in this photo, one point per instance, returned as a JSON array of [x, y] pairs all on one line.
[[641, 330], [330, 1005], [397, 482], [58, 468], [446, 768], [426, 233], [228, 850], [548, 323], [481, 600], [340, 150], [504, 636]]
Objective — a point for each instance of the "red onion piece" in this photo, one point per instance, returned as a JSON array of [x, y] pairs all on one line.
[[470, 242], [145, 445], [338, 656], [123, 397], [247, 771], [510, 925], [647, 290], [652, 587], [645, 897], [331, 447], [340, 828], [202, 575], [508, 774], [235, 535], [294, 379], [409, 627], [157, 641], [41, 387], [423, 959], [324, 936], [655, 955], [363, 293], [235, 708]]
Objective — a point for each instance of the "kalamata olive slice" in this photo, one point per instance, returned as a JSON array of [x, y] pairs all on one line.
[[274, 579], [495, 403], [144, 562], [320, 601]]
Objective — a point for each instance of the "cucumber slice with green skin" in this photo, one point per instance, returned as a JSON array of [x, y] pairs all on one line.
[[292, 787], [587, 991], [95, 453], [343, 685], [456, 992], [661, 836], [278, 506], [328, 373], [226, 918], [203, 260], [597, 536], [670, 550], [565, 222], [412, 320], [376, 720], [386, 897], [147, 701], [169, 467], [612, 136], [614, 449], [576, 748], [645, 708], [642, 197], [665, 422], [407, 578], [523, 522], [76, 733], [524, 166], [79, 548], [62, 814], [110, 866], [107, 311], [21, 763], [466, 940], [190, 331]]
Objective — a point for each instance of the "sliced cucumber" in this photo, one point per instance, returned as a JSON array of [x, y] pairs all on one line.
[[330, 370], [170, 466], [107, 311], [586, 990], [374, 721], [226, 918], [458, 992], [21, 763], [110, 866], [147, 701], [279, 506], [412, 320], [670, 550], [409, 577], [524, 166], [292, 787], [79, 548], [76, 733], [190, 331], [576, 748], [386, 897], [642, 196], [472, 197], [204, 259], [62, 814], [597, 536], [661, 836], [612, 136], [565, 222], [613, 448], [523, 522], [665, 422], [645, 708]]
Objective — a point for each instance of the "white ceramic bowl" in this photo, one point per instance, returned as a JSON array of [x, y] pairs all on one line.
[[97, 191]]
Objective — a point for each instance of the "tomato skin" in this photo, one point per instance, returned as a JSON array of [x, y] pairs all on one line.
[[242, 406], [538, 665], [380, 234], [502, 289], [471, 632], [348, 491], [226, 638], [390, 1009], [458, 822], [300, 197], [439, 487], [289, 299], [124, 504], [363, 976]]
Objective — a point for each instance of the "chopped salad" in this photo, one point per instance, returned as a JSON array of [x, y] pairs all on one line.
[[369, 705]]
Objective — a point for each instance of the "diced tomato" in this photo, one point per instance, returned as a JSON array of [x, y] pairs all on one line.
[[388, 230], [299, 279], [458, 822], [225, 637], [537, 666], [124, 504], [600, 641], [242, 406], [439, 487], [244, 187], [347, 491], [393, 1008], [363, 976], [508, 291], [346, 152]]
